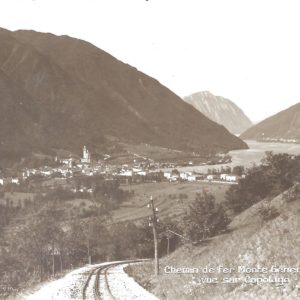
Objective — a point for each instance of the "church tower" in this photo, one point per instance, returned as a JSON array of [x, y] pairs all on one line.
[[86, 157]]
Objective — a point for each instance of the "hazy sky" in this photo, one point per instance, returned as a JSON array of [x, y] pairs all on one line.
[[245, 50]]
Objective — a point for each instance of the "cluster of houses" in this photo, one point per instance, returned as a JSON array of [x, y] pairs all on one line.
[[225, 177], [278, 140], [67, 168], [175, 176], [9, 180], [71, 167], [137, 172]]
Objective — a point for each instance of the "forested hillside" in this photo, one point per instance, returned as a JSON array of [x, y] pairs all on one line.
[[59, 92]]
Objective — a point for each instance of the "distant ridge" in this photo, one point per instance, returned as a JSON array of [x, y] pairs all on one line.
[[59, 92], [220, 110], [282, 127]]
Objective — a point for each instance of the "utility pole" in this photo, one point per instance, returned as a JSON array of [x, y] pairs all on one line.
[[53, 259], [168, 235], [168, 246], [88, 243], [153, 222]]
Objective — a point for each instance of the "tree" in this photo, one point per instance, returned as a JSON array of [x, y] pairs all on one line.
[[282, 169], [96, 238], [277, 173], [129, 240], [108, 195], [238, 170], [205, 218], [228, 170], [37, 241], [175, 172], [248, 191]]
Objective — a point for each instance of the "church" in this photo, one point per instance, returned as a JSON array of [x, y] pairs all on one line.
[[86, 156]]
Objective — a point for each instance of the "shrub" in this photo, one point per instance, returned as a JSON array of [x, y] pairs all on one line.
[[276, 174], [292, 194], [205, 218], [268, 212]]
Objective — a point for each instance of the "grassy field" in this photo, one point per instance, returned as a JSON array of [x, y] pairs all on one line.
[[171, 199], [253, 242]]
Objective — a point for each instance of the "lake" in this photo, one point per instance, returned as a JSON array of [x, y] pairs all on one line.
[[250, 156]]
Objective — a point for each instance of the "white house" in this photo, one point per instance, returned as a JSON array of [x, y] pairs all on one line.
[[126, 173], [1, 181], [223, 176], [167, 175], [142, 173], [191, 178], [87, 172], [15, 181], [185, 175], [231, 178], [210, 177], [173, 178], [68, 161], [29, 172], [65, 171], [46, 171]]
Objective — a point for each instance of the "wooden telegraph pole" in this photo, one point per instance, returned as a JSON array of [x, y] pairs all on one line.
[[153, 222], [168, 235]]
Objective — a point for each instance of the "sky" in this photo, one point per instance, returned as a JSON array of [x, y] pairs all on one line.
[[245, 50]]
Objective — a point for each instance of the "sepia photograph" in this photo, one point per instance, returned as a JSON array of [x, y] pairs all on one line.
[[149, 149]]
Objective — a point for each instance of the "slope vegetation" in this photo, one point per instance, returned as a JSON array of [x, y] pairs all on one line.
[[256, 241], [259, 249]]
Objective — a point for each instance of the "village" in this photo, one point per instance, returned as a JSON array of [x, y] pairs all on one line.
[[264, 138], [139, 171]]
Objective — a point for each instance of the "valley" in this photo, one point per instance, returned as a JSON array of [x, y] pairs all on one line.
[[108, 175]]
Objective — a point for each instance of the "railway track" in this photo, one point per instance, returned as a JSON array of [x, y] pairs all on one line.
[[97, 281]]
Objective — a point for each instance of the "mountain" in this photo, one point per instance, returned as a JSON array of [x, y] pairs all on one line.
[[220, 110], [59, 92], [284, 126]]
